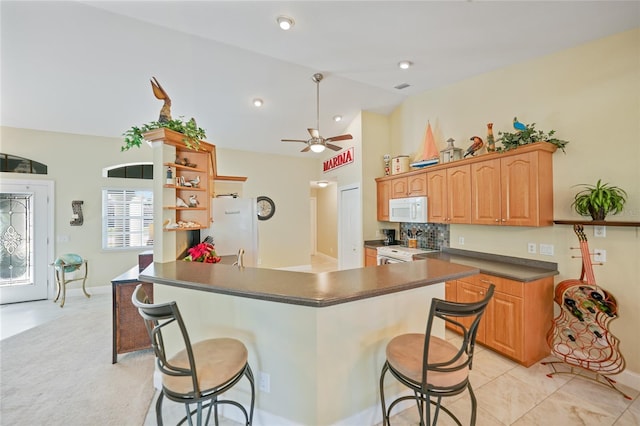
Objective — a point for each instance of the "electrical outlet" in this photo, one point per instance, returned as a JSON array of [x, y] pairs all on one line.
[[546, 249], [461, 241], [599, 255], [264, 382], [600, 231], [531, 248]]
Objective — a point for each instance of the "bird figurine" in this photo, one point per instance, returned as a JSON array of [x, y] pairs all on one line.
[[518, 125], [158, 91], [193, 201], [195, 182], [491, 142], [475, 147]]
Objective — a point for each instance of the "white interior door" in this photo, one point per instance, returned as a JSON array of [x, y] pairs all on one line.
[[350, 228], [25, 234]]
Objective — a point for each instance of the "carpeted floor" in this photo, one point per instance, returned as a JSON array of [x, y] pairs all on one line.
[[60, 373]]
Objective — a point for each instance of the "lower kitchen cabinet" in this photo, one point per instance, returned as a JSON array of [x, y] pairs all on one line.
[[517, 318], [370, 256]]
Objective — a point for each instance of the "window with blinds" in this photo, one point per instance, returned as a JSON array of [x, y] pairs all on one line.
[[127, 218]]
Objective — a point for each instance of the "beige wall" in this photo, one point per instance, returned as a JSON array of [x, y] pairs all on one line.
[[327, 208], [75, 164], [591, 96]]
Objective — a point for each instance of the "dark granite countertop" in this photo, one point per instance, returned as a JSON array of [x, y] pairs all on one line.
[[513, 268], [302, 288]]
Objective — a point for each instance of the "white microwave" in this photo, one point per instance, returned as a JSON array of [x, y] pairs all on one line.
[[411, 209]]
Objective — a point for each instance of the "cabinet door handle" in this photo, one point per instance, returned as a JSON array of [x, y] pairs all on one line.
[[504, 220], [497, 220], [487, 282]]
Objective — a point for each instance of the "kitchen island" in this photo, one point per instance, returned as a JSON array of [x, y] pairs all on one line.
[[316, 341]]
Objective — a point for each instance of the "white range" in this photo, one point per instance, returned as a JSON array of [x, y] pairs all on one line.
[[398, 254]]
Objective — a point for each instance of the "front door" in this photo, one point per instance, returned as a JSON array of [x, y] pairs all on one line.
[[24, 240]]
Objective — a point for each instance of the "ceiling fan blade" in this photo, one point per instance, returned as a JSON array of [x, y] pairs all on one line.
[[314, 133], [333, 147], [307, 148], [339, 138], [293, 140]]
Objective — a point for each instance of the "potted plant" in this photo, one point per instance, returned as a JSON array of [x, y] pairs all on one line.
[[192, 133], [599, 200], [527, 134]]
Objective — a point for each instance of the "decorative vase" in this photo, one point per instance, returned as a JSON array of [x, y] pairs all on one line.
[[491, 142]]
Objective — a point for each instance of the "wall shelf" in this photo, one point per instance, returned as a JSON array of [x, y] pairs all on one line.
[[596, 223]]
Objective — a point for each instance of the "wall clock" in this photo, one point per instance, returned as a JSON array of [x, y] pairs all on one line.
[[266, 208]]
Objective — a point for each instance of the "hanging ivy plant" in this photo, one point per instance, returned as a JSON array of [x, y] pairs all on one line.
[[192, 133], [528, 135]]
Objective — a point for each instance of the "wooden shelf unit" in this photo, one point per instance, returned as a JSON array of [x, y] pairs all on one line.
[[596, 223]]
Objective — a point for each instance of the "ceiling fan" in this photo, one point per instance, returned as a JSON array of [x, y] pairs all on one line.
[[317, 143]]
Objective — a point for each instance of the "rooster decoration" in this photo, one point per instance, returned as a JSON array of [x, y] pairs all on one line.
[[475, 147]]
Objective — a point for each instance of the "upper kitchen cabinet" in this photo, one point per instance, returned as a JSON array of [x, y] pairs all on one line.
[[383, 192], [514, 189], [449, 195], [409, 186]]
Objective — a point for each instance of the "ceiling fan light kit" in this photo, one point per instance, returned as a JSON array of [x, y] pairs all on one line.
[[317, 143]]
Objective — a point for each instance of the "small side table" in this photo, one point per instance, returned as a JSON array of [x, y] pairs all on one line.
[[129, 331]]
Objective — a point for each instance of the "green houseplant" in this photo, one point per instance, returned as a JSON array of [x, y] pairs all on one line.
[[512, 140], [599, 200], [192, 133]]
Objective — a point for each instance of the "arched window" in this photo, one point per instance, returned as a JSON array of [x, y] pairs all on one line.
[[14, 164], [130, 171]]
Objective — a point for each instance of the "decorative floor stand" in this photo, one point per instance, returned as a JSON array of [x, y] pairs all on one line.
[[580, 334]]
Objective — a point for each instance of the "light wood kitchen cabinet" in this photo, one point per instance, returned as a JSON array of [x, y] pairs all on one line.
[[383, 192], [516, 190], [517, 318], [449, 195], [370, 256], [409, 186]]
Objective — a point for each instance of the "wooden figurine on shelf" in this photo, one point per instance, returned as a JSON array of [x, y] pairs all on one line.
[[158, 92], [475, 147]]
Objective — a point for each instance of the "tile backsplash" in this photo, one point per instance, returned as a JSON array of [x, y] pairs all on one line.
[[434, 236]]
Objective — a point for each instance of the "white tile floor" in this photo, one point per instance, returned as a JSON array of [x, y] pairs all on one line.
[[507, 393]]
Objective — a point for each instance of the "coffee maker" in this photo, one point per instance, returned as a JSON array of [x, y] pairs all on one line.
[[389, 236]]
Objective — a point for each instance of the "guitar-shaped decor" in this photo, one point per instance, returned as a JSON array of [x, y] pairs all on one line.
[[580, 334]]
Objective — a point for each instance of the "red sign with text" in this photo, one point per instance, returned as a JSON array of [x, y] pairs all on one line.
[[345, 157]]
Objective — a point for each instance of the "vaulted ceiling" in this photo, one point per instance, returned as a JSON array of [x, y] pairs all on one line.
[[84, 67]]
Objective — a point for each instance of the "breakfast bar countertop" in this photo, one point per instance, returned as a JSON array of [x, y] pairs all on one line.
[[302, 288]]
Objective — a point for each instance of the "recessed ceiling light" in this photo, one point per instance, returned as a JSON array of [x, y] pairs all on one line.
[[285, 22], [337, 118], [405, 65], [257, 102]]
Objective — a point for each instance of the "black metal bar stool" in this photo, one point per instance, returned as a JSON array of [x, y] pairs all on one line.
[[433, 367], [199, 373]]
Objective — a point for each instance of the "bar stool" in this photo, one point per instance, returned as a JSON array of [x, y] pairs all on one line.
[[69, 263], [433, 367], [199, 373]]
